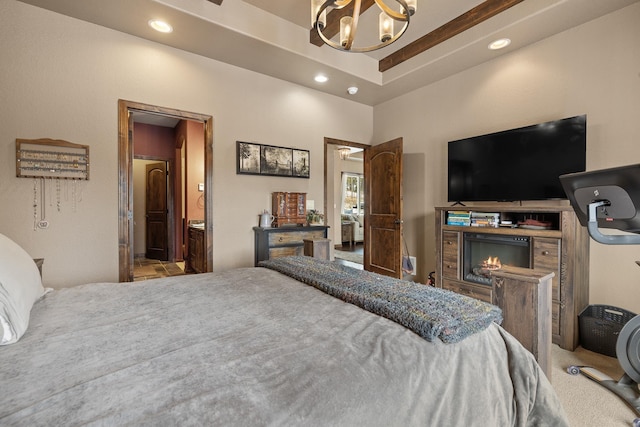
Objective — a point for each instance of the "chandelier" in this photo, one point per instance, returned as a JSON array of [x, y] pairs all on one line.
[[344, 152], [349, 24]]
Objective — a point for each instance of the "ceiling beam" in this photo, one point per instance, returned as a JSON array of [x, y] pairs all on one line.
[[469, 19], [333, 21]]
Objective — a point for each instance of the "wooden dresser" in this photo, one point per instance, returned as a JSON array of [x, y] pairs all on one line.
[[284, 241], [562, 248]]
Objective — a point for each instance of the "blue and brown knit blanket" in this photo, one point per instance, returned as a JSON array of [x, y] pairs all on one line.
[[429, 312]]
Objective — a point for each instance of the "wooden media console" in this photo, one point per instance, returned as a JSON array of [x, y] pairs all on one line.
[[560, 246]]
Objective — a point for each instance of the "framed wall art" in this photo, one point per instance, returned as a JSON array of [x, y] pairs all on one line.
[[248, 158], [301, 163], [276, 161], [259, 159]]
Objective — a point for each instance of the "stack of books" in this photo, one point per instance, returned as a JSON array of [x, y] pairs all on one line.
[[485, 219], [462, 218]]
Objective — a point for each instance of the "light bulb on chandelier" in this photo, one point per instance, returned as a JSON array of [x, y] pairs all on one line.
[[349, 23]]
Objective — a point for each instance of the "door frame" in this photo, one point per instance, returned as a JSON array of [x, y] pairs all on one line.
[[125, 180]]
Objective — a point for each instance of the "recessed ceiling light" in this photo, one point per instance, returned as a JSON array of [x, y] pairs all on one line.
[[499, 44], [352, 90], [320, 78], [160, 26]]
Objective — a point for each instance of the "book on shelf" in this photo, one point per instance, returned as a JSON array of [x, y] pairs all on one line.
[[459, 223], [461, 218], [484, 224], [459, 214], [485, 215], [485, 219]]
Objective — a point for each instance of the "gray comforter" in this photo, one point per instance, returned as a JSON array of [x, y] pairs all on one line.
[[254, 347]]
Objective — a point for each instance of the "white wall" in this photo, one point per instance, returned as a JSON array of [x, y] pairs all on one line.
[[593, 69], [62, 78]]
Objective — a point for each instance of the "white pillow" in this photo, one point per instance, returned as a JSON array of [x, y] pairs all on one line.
[[20, 287]]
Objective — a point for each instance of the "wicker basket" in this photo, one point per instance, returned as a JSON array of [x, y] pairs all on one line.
[[600, 326]]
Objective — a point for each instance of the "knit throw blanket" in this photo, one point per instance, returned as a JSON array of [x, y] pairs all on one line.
[[429, 312]]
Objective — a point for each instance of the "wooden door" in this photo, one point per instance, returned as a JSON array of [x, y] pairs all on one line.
[[157, 236], [383, 208]]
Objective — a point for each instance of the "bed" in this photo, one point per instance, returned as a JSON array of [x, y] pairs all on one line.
[[264, 346]]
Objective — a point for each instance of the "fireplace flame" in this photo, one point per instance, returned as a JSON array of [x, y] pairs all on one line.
[[492, 263]]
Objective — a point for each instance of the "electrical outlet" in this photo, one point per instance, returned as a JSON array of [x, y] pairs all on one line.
[[43, 223], [413, 264]]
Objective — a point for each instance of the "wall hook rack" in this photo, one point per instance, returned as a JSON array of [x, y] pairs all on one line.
[[51, 158]]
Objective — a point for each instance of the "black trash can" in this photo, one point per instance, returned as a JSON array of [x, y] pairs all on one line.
[[600, 326]]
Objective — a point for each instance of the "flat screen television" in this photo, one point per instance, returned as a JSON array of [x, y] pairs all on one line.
[[517, 164]]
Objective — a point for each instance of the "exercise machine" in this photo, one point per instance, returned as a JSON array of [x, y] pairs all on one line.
[[610, 198]]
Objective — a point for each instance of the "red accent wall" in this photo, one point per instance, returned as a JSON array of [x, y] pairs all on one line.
[[154, 141], [194, 170], [191, 134]]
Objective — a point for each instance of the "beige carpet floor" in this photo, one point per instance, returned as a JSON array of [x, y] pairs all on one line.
[[586, 402]]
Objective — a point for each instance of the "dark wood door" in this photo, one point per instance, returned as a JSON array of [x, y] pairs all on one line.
[[156, 212], [383, 208]]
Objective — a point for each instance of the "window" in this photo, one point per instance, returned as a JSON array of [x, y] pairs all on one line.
[[352, 193]]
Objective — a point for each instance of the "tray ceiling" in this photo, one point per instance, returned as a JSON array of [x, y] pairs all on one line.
[[272, 36]]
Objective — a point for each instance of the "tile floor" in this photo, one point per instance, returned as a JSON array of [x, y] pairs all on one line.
[[145, 269]]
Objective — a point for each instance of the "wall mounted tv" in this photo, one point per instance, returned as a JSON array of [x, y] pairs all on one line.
[[517, 164]]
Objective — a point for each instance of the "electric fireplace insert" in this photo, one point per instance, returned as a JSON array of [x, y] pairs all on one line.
[[485, 252]]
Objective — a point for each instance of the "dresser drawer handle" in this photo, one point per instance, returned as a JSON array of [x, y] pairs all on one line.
[[545, 252], [280, 239], [449, 242]]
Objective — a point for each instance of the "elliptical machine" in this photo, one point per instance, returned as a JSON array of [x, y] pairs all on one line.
[[610, 198]]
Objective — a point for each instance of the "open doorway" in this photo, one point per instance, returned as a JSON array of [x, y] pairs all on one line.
[[382, 203], [157, 239], [127, 110], [349, 202], [344, 200], [154, 227]]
